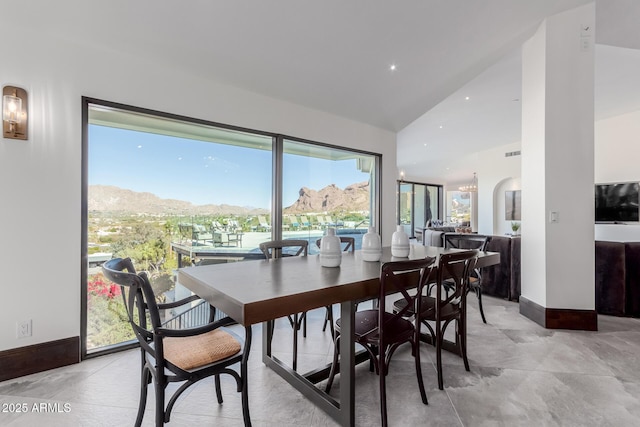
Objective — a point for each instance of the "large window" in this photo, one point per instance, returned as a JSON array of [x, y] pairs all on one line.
[[458, 207], [326, 187], [170, 191]]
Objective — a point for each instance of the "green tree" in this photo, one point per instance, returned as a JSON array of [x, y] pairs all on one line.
[[145, 244]]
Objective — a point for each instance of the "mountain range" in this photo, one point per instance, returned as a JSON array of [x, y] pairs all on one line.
[[105, 198]]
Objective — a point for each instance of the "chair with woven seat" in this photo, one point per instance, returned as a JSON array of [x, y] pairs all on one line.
[[177, 355], [349, 246], [276, 249], [454, 267], [469, 241], [381, 332]]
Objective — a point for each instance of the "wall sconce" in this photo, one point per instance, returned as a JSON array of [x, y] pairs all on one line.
[[14, 113]]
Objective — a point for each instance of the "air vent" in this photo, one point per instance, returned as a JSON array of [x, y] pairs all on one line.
[[512, 153]]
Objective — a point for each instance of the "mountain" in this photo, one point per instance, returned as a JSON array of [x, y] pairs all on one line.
[[105, 198], [355, 197]]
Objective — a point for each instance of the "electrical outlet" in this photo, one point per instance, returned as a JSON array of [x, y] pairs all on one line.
[[23, 329]]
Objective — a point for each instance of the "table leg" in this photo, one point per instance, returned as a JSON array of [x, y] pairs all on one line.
[[343, 411], [347, 364]]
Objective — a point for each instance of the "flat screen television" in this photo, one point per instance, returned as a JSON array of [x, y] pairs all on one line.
[[617, 202]]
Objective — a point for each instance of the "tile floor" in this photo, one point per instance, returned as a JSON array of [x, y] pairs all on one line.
[[521, 375]]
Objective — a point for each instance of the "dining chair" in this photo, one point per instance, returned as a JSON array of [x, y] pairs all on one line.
[[177, 355], [469, 241], [350, 246], [275, 249], [381, 332], [456, 268]]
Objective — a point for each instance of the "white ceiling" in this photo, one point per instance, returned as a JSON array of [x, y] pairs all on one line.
[[334, 55], [435, 146]]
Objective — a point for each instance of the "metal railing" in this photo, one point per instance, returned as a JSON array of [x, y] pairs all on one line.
[[197, 315]]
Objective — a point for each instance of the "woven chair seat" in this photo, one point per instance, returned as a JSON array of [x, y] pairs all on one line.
[[193, 352]]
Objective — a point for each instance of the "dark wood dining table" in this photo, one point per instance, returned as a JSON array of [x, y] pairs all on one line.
[[258, 291]]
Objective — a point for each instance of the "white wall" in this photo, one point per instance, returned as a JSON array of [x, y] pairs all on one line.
[[40, 179], [558, 158], [617, 148], [493, 170], [500, 224], [616, 159]]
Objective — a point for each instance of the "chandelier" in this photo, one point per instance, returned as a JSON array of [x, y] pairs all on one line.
[[472, 187]]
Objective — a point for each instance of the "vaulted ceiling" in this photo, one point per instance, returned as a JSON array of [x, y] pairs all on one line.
[[336, 55]]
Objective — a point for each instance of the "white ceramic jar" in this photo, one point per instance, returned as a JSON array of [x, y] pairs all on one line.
[[371, 246], [330, 249], [400, 243]]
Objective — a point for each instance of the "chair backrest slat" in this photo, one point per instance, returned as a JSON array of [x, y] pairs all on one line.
[[274, 248], [402, 277], [466, 241], [139, 300], [350, 243], [456, 268]]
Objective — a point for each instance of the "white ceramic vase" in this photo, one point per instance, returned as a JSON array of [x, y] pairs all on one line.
[[400, 243], [371, 246], [330, 249]]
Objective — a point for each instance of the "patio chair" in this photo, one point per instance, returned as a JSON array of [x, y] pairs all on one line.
[[276, 249], [322, 223], [177, 355], [305, 222], [263, 224], [381, 332], [234, 226], [293, 221]]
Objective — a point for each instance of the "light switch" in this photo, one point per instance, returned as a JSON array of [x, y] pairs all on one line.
[[554, 216]]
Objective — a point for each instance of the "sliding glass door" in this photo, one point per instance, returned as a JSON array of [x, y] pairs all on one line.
[[418, 204]]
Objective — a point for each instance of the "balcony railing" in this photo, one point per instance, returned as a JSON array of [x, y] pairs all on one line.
[[197, 315]]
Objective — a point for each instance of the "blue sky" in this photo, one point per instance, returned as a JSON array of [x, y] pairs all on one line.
[[204, 172]]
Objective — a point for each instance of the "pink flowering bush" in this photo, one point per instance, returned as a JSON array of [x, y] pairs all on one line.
[[107, 322], [99, 286]]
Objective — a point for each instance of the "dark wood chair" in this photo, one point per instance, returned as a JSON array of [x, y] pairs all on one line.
[[469, 241], [177, 355], [349, 246], [381, 332], [454, 268], [276, 249]]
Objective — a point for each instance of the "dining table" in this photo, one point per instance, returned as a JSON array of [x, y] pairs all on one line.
[[259, 291]]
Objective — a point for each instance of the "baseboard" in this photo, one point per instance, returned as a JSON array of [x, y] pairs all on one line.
[[559, 318], [22, 361], [532, 311]]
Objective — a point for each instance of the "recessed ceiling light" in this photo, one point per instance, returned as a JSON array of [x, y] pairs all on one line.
[[425, 144], [466, 98], [441, 126], [392, 67]]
